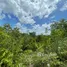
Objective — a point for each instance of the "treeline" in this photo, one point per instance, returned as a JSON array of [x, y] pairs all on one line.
[[28, 50]]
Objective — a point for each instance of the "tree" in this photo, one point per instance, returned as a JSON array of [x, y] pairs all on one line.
[[7, 28]]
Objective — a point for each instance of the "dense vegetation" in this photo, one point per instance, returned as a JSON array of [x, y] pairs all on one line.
[[28, 50]]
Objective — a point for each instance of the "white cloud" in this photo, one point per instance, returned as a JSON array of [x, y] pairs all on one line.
[[9, 16], [64, 7], [22, 28], [25, 10], [38, 29], [52, 17], [2, 16], [41, 29], [18, 25]]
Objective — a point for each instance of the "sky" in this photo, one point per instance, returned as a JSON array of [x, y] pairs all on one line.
[[32, 15]]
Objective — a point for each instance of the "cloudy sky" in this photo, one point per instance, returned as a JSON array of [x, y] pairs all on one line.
[[32, 15]]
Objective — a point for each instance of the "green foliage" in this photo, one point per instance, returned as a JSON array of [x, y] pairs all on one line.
[[5, 58], [28, 50]]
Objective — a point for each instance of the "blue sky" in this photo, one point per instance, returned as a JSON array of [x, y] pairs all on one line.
[[32, 16]]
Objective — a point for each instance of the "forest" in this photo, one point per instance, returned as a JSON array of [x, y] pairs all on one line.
[[30, 50]]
